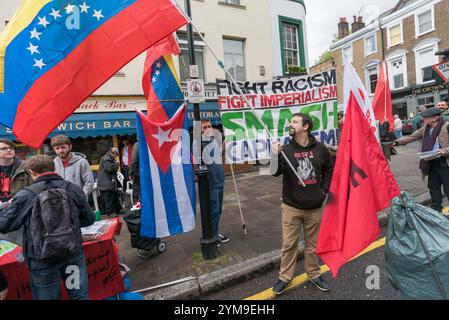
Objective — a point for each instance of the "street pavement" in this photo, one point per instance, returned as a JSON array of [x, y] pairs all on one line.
[[260, 198], [364, 278]]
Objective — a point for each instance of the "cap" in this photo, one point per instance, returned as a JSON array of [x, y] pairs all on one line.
[[432, 112]]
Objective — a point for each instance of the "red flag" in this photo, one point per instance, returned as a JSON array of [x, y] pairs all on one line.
[[382, 106], [362, 186]]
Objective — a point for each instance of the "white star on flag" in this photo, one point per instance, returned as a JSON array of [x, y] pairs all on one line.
[[39, 63], [97, 15], [33, 49], [158, 72], [69, 8], [158, 65], [43, 21], [154, 79], [84, 7], [162, 136], [35, 34], [55, 14]]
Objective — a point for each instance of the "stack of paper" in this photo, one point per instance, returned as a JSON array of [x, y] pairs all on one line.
[[97, 229], [429, 155]]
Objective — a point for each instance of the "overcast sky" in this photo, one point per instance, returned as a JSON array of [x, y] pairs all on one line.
[[323, 17]]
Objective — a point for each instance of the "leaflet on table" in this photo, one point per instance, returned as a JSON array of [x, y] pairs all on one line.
[[99, 228]]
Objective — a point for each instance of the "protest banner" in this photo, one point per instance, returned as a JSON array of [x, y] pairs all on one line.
[[275, 102]]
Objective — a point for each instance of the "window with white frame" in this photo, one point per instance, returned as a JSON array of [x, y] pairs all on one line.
[[395, 35], [371, 76], [291, 50], [347, 53], [397, 67], [370, 45], [184, 62], [184, 58], [424, 22], [234, 58], [425, 58]]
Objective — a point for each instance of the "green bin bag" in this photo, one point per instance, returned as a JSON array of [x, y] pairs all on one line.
[[417, 250]]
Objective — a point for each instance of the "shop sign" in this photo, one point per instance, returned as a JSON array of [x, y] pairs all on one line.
[[112, 105], [210, 92], [428, 89]]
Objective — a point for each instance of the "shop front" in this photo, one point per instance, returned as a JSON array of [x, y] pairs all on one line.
[[103, 122], [407, 102]]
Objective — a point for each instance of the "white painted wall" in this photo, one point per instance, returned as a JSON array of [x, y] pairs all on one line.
[[251, 23], [7, 9], [290, 9]]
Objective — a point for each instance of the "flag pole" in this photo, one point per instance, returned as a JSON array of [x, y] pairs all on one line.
[[385, 89], [221, 64], [238, 199], [209, 244]]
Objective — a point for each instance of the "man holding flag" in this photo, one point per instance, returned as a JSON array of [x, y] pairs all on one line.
[[301, 205]]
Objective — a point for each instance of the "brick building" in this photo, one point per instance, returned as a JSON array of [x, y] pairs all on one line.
[[407, 36]]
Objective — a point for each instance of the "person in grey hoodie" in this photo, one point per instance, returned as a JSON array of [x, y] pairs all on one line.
[[72, 167]]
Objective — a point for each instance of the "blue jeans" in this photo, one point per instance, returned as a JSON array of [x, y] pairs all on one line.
[[398, 133], [216, 200], [45, 279]]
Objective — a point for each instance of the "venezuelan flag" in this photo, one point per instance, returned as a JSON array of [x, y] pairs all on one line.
[[160, 81], [56, 53]]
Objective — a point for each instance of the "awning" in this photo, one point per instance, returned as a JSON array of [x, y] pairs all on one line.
[[82, 125]]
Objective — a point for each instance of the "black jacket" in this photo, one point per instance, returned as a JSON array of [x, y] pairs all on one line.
[[107, 173], [19, 213], [134, 172], [314, 164]]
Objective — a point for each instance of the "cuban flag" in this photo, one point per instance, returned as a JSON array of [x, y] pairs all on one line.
[[168, 200]]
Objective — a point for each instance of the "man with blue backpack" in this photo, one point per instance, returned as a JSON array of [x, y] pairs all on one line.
[[52, 212]]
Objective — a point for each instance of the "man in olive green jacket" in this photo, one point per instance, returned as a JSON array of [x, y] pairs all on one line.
[[13, 178]]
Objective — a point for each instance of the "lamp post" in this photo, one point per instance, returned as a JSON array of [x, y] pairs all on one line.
[[209, 243]]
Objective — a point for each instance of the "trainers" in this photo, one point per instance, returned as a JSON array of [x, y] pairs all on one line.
[[321, 284], [222, 239], [279, 287]]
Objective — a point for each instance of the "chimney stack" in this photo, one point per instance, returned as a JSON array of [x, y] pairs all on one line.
[[357, 24], [343, 28]]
